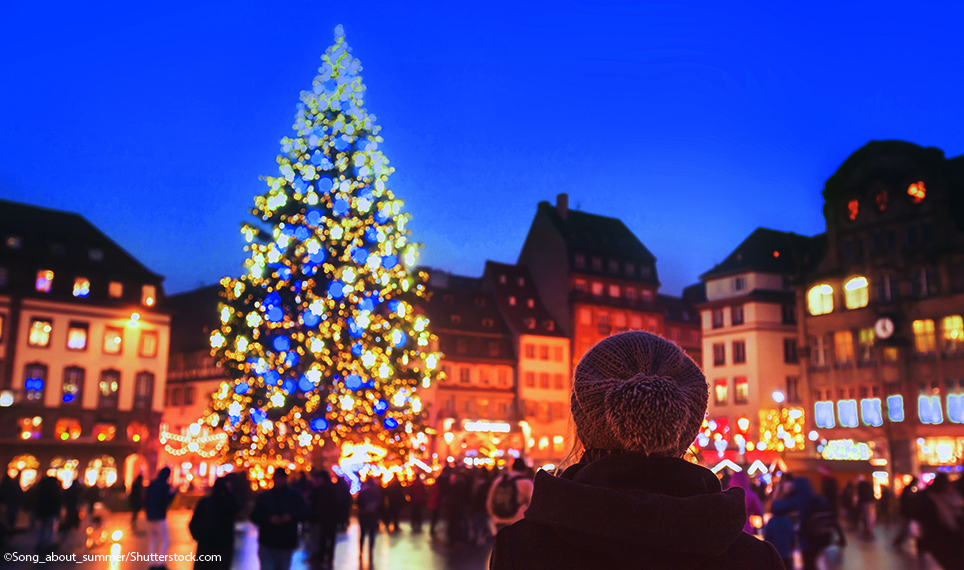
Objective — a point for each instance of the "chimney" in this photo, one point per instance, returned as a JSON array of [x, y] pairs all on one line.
[[562, 205]]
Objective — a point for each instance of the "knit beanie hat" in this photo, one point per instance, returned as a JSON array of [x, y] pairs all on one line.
[[637, 391]]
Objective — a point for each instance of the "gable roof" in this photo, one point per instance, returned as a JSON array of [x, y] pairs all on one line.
[[597, 234], [194, 314], [765, 251], [514, 281]]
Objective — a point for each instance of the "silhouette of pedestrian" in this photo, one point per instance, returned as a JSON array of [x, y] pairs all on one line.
[[136, 499], [369, 500], [157, 499], [277, 513], [49, 501], [212, 526]]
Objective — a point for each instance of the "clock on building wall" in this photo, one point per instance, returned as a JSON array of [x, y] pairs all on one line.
[[884, 328]]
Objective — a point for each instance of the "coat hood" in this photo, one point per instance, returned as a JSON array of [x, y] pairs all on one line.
[[662, 512]]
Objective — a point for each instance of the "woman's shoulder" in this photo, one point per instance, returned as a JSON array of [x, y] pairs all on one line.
[[747, 552]]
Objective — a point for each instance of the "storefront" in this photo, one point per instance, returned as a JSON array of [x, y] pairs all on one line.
[[481, 442]]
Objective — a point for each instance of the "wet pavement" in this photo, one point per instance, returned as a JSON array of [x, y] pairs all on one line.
[[402, 551]]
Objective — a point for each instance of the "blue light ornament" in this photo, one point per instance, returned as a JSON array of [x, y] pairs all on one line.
[[359, 255], [288, 386], [310, 319], [291, 359], [272, 300], [353, 382], [325, 184], [258, 416], [319, 424], [381, 216], [393, 305], [336, 290], [284, 273], [399, 339], [371, 235], [275, 314], [340, 207], [391, 423], [281, 343], [242, 388], [381, 407], [317, 257], [304, 384], [366, 304], [272, 377], [313, 218], [302, 233], [357, 349], [389, 261]]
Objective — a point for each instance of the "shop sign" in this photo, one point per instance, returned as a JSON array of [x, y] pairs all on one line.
[[483, 426], [846, 450]]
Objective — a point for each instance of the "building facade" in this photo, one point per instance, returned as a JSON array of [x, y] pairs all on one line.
[[883, 312], [594, 276], [83, 351], [750, 347]]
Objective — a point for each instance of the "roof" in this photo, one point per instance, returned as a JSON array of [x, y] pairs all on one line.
[[66, 238], [678, 310], [695, 293], [194, 314], [528, 315], [764, 251], [466, 318], [597, 234]]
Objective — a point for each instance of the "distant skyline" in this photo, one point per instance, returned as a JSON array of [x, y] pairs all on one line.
[[694, 123]]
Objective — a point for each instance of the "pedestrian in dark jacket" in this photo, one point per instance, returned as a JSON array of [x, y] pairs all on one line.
[[343, 499], [11, 497], [866, 507], [157, 499], [416, 493], [907, 508], [136, 499], [808, 506], [212, 526], [941, 516], [631, 501], [323, 518], [47, 510], [368, 501], [277, 513], [71, 520]]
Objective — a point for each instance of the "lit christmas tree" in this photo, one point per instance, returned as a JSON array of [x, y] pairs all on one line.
[[319, 337]]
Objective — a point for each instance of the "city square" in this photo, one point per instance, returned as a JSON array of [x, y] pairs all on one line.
[[611, 286]]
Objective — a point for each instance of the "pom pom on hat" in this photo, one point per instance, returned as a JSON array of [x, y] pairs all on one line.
[[637, 391]]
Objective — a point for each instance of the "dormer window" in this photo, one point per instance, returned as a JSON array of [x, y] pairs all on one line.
[[530, 323], [853, 208], [917, 192], [820, 299], [550, 326], [502, 279], [81, 287], [613, 266], [579, 261], [531, 303], [512, 301], [448, 299], [488, 323], [739, 283], [522, 282], [596, 264], [115, 289], [45, 280], [148, 295]]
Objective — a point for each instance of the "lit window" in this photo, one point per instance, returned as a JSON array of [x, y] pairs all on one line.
[[465, 374], [739, 283], [104, 431], [630, 294], [597, 289], [866, 344], [614, 291], [115, 289], [925, 341], [143, 390], [148, 346], [45, 280], [820, 299], [719, 388], [818, 352], [95, 254], [67, 428], [843, 344], [955, 408], [35, 380], [107, 389], [81, 287], [581, 285], [952, 333], [530, 379], [137, 432], [647, 295], [871, 413], [31, 428], [881, 200], [856, 293], [530, 350], [742, 390], [148, 295], [39, 333], [113, 340], [917, 192], [585, 316], [77, 336], [853, 208], [847, 412], [891, 354], [544, 380], [636, 322], [895, 408], [73, 387], [929, 409]]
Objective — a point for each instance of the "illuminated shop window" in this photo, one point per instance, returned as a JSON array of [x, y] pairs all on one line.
[[719, 389], [77, 336], [27, 466], [148, 295], [925, 341], [895, 408], [73, 386], [81, 287], [856, 293], [67, 428], [115, 289], [107, 389], [45, 280], [31, 428], [843, 344], [35, 380], [742, 390], [853, 208], [866, 345], [148, 346], [820, 299], [113, 340], [104, 431], [846, 450], [137, 432], [39, 333], [955, 408], [917, 192], [891, 354], [614, 291], [952, 333], [847, 412], [929, 409], [870, 412], [101, 471]]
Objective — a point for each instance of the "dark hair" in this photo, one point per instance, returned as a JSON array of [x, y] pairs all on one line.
[[519, 464]]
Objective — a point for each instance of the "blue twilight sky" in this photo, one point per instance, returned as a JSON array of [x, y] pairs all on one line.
[[694, 122]]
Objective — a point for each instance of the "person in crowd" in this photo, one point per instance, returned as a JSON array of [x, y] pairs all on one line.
[[72, 500], [368, 501], [436, 498], [416, 495], [509, 495], [395, 499], [344, 500], [93, 494], [323, 516], [277, 513], [753, 505], [49, 502], [11, 497], [907, 509], [212, 526], [818, 524], [457, 507], [157, 499], [848, 499], [941, 515], [866, 507], [779, 530], [479, 511], [828, 487], [631, 501], [136, 499], [884, 505]]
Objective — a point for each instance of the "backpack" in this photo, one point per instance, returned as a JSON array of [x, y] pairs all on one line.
[[200, 525], [820, 527], [505, 498]]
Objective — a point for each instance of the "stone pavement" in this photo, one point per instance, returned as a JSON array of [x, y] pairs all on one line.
[[402, 551]]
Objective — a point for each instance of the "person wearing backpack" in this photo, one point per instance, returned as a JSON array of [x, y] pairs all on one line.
[[212, 527], [819, 526], [509, 495]]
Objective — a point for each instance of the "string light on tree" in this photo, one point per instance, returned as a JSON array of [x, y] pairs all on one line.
[[319, 336]]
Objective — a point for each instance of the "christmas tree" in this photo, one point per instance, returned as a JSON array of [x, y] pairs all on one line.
[[319, 338]]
